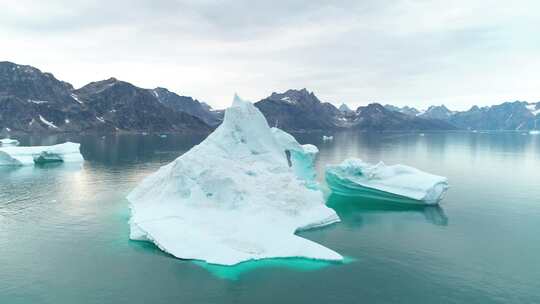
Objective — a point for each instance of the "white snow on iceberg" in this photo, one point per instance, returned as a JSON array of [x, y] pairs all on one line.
[[397, 183], [234, 197], [20, 156]]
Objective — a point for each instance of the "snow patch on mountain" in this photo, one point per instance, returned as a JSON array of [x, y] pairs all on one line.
[[48, 123]]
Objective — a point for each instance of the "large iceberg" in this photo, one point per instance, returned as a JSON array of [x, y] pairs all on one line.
[[239, 195], [397, 183], [19, 156]]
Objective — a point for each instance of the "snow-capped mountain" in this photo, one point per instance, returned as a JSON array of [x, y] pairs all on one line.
[[405, 110], [188, 105], [508, 116], [127, 107], [33, 101], [377, 117], [517, 115], [344, 108], [436, 112], [299, 110]]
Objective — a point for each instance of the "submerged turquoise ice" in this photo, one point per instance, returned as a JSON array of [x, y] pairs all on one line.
[[64, 233]]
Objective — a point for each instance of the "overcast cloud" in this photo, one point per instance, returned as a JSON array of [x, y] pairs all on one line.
[[415, 53]]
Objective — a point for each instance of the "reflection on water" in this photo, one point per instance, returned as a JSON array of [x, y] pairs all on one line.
[[350, 209], [64, 234]]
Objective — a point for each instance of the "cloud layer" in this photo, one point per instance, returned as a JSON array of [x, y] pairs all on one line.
[[402, 52]]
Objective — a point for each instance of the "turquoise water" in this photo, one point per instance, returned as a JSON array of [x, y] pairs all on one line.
[[64, 232]]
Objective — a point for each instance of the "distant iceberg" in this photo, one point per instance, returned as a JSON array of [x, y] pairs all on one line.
[[239, 195], [328, 138], [8, 142], [398, 183], [21, 156]]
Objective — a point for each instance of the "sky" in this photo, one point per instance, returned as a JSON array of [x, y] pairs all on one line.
[[402, 52]]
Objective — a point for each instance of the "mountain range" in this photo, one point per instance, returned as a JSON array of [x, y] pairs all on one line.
[[508, 116], [32, 101]]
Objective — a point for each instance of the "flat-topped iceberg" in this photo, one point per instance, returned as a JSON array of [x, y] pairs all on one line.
[[19, 156], [397, 183], [8, 142], [239, 195]]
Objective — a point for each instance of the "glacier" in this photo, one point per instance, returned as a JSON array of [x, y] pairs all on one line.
[[20, 156], [396, 183], [239, 195], [8, 142]]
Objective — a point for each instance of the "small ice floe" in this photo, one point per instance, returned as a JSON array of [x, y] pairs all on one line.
[[20, 156], [397, 183], [534, 132], [422, 134], [163, 136], [8, 142], [46, 157], [327, 138]]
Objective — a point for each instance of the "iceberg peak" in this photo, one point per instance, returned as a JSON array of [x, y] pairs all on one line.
[[237, 101]]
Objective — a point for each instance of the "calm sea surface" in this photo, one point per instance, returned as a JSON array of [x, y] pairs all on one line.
[[64, 231]]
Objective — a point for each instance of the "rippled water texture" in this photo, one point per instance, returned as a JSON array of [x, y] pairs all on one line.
[[64, 232]]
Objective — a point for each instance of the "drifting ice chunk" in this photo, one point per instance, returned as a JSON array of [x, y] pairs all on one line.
[[327, 138], [9, 142], [19, 156], [234, 197], [47, 157], [396, 183]]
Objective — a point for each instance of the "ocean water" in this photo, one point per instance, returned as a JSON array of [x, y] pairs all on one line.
[[64, 231]]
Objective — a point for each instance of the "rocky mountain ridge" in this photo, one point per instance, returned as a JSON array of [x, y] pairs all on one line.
[[507, 116], [35, 102], [32, 101]]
